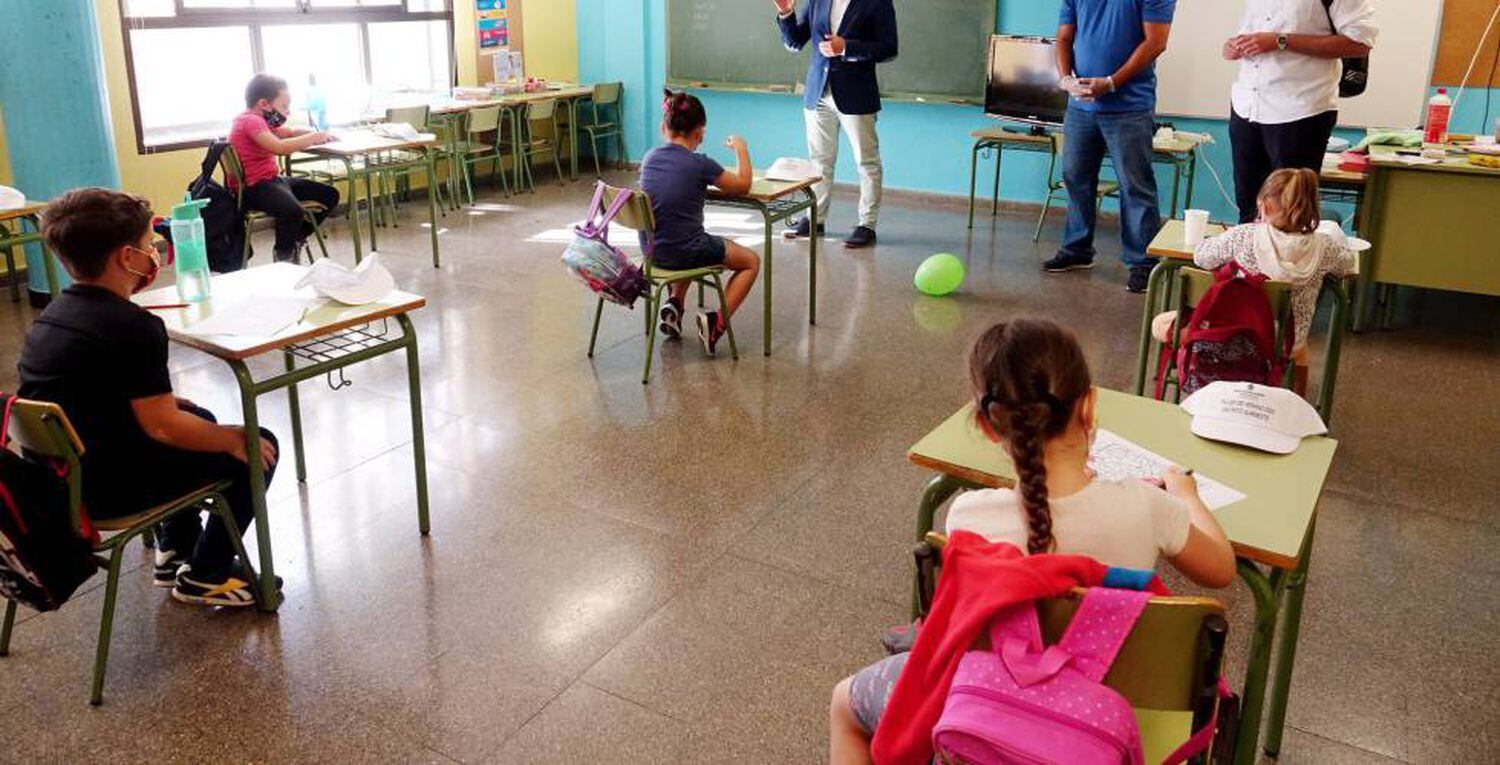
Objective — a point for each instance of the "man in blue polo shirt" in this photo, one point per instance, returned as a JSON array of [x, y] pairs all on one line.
[[1106, 59]]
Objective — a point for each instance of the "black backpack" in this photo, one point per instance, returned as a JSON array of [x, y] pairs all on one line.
[[1355, 77], [42, 559], [223, 224]]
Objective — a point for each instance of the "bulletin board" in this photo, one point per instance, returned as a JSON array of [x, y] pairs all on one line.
[[497, 28], [1463, 24]]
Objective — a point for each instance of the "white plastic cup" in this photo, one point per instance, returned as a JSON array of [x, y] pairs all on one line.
[[1196, 227]]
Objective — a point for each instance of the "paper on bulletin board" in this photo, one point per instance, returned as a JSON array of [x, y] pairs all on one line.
[[494, 23]]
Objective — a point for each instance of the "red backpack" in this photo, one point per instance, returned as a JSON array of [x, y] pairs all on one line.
[[1230, 335]]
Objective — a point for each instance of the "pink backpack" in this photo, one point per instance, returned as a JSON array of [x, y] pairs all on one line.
[[1023, 702]]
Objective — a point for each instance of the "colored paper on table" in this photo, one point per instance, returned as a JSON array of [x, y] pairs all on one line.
[[1114, 458]]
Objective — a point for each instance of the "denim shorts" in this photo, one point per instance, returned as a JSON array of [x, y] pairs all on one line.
[[871, 690]]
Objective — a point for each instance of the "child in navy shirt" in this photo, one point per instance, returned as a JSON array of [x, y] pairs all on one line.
[[677, 177]]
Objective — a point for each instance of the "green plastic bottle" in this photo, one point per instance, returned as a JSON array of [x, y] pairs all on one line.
[[191, 247]]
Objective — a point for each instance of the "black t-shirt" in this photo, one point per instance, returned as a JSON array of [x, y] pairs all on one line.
[[92, 352]]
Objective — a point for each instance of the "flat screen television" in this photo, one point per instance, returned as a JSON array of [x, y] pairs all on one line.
[[1022, 82]]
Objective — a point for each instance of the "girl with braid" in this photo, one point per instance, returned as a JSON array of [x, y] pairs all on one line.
[[1033, 395]]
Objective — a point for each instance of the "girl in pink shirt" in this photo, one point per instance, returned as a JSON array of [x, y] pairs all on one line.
[[259, 136]]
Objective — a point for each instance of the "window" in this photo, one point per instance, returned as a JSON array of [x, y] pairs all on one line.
[[189, 60]]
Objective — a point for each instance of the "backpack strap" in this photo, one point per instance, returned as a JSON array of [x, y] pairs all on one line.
[[622, 199], [1099, 628], [10, 402], [587, 228], [1201, 738]]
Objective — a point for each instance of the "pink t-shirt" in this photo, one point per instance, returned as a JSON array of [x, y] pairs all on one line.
[[258, 164]]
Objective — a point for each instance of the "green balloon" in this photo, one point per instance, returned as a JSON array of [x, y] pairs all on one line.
[[939, 275]]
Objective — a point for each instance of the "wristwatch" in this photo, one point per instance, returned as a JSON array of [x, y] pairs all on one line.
[[1282, 41]]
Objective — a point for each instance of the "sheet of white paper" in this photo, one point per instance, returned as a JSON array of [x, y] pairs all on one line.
[[791, 169], [256, 317], [1115, 459]]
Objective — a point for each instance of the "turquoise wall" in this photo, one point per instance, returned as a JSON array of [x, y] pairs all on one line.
[[50, 65], [925, 146]]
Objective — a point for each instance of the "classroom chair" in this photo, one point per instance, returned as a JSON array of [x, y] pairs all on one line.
[[539, 135], [1168, 669], [607, 123], [43, 429], [388, 173], [1057, 190], [473, 150], [1192, 284], [234, 177], [638, 216]]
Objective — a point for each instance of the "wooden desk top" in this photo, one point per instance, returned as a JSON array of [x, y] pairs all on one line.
[[1335, 177], [1268, 526], [1176, 146], [1171, 240], [276, 280], [27, 210], [356, 143], [763, 190]]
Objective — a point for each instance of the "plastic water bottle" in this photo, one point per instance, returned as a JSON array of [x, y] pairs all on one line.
[[317, 105], [191, 246], [1439, 112]]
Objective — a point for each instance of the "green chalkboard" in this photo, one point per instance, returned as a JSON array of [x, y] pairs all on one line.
[[735, 44]]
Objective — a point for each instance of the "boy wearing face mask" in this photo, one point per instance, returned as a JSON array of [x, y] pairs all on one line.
[[103, 359], [260, 135]]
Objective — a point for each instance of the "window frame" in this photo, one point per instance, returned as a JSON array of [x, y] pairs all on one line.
[[255, 19]]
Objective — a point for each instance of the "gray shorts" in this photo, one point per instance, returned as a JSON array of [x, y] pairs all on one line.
[[871, 690]]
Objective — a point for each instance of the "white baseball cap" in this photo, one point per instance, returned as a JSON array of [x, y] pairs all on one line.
[[1270, 419]]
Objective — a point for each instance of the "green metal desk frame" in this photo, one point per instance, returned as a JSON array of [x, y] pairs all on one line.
[[1159, 298], [1184, 166], [1277, 595], [354, 171], [326, 355], [20, 237], [773, 212]]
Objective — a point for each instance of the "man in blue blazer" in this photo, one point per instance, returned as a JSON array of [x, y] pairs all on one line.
[[852, 36]]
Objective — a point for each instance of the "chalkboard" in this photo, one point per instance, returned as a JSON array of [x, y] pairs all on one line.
[[735, 44]]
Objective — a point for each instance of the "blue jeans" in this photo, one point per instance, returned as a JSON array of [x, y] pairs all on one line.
[[1126, 138]]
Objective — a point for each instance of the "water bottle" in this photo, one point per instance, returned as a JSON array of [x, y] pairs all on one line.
[[1439, 111], [191, 246], [317, 104]]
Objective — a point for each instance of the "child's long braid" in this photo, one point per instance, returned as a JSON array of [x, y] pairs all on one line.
[[1028, 376]]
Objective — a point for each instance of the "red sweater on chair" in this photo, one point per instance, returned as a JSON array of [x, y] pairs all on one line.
[[979, 581]]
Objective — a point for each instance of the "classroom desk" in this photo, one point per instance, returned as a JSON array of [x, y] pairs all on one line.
[[776, 202], [330, 338], [1431, 226], [1271, 527], [10, 239], [359, 145], [1170, 245], [1181, 154], [512, 104]]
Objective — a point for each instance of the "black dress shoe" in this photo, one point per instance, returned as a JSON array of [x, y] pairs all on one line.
[[863, 236], [1140, 279], [799, 228]]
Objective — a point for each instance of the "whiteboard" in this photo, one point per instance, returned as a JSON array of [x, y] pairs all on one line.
[[1195, 80]]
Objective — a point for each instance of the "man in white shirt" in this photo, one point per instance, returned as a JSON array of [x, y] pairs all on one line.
[[842, 92], [1285, 102]]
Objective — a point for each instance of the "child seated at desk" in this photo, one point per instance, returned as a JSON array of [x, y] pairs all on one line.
[[103, 359], [677, 177], [259, 136], [1035, 397], [1284, 245]]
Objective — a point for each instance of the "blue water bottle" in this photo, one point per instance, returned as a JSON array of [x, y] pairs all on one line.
[[191, 248], [317, 105]]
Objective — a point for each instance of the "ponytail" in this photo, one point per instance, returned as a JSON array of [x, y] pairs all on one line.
[[1029, 376], [682, 113], [1291, 199]]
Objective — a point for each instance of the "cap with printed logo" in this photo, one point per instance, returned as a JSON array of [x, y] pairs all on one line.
[[1258, 416]]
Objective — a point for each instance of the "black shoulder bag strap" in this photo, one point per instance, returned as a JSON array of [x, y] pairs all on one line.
[[1356, 71]]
